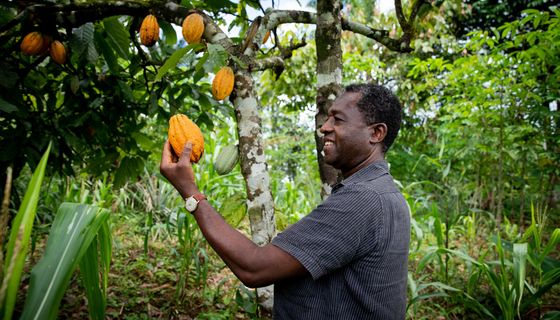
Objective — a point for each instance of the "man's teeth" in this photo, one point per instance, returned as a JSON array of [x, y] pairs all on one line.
[[328, 143]]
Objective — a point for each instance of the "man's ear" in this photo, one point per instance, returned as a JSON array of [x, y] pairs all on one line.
[[378, 132]]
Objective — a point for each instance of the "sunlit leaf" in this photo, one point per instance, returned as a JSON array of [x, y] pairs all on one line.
[[73, 230], [20, 235]]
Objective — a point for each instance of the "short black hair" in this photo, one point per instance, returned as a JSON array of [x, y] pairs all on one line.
[[379, 105]]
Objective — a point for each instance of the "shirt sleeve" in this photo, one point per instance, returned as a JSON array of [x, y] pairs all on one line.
[[335, 233]]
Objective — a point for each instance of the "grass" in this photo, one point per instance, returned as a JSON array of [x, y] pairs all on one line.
[[155, 274], [143, 285]]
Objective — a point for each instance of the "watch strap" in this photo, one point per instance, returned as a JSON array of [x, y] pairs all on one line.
[[198, 196]]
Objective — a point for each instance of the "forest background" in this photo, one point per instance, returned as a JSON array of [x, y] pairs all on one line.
[[477, 157]]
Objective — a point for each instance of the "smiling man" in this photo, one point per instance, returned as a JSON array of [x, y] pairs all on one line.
[[347, 259]]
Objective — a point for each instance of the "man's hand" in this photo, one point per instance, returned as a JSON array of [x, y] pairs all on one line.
[[178, 171]]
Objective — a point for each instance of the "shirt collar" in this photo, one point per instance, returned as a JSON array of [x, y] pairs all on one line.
[[372, 171]]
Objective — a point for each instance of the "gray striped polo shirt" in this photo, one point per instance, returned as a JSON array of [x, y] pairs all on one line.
[[355, 247]]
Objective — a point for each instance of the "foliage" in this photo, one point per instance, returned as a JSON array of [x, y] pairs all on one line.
[[18, 244], [72, 240], [476, 158]]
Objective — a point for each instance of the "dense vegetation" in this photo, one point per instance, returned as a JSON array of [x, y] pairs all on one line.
[[477, 160]]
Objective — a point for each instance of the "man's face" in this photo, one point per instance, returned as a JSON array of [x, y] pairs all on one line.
[[346, 135]]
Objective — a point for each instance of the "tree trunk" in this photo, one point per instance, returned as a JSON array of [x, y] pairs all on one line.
[[329, 79], [260, 204]]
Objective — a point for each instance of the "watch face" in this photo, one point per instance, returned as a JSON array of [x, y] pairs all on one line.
[[191, 204]]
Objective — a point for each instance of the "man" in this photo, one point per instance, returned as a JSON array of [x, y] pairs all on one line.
[[347, 259]]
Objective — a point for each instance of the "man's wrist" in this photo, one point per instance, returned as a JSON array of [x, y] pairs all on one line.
[[192, 201], [187, 191]]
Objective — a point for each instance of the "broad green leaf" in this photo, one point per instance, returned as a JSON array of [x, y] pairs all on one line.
[[108, 54], [172, 62], [130, 167], [91, 53], [6, 15], [89, 273], [20, 234], [438, 230], [217, 58], [552, 242], [519, 271], [6, 106], [81, 39], [95, 263], [73, 230], [234, 209], [117, 36], [106, 251], [169, 32]]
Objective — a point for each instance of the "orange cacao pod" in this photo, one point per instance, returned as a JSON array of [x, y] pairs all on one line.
[[181, 130], [223, 82], [34, 43], [149, 31], [58, 52], [193, 28], [266, 36]]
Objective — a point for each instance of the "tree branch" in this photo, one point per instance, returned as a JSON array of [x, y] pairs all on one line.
[[381, 36], [400, 16], [76, 14], [268, 63]]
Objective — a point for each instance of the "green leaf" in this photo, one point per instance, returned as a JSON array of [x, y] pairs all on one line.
[[91, 54], [89, 272], [117, 36], [217, 58], [519, 271], [131, 166], [108, 54], [6, 106], [96, 262], [74, 84], [172, 62], [19, 239], [81, 39], [234, 209], [168, 32], [73, 230]]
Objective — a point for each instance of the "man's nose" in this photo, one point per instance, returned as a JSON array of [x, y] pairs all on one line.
[[326, 126]]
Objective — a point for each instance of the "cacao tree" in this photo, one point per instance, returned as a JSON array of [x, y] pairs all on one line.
[[94, 104]]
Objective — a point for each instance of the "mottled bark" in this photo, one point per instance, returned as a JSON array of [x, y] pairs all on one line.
[[260, 204], [329, 79]]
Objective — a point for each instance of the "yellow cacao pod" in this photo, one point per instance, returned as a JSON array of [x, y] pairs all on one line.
[[226, 159], [58, 52], [34, 43], [149, 31], [193, 28], [223, 82], [181, 130]]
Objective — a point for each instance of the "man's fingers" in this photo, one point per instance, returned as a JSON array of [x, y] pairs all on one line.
[[166, 153], [186, 155]]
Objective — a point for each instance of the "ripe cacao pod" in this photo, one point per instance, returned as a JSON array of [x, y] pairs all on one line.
[[266, 36], [34, 43], [181, 130], [149, 31], [223, 82], [58, 52], [226, 159], [193, 28]]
